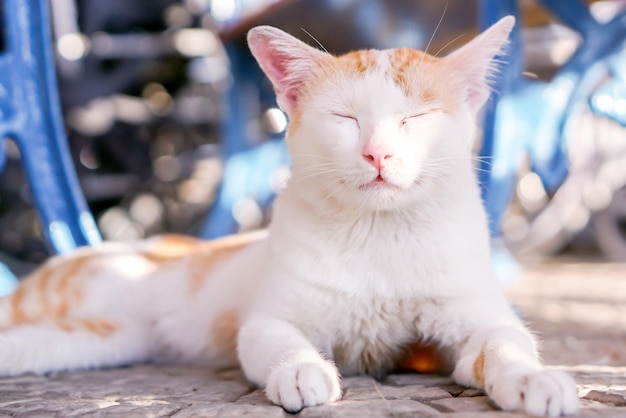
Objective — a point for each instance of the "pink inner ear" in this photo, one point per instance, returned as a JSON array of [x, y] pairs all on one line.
[[286, 61], [276, 62], [285, 84], [274, 65]]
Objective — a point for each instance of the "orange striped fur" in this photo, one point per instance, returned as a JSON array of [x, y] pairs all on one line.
[[55, 291]]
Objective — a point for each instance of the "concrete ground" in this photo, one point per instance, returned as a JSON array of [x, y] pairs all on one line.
[[578, 310]]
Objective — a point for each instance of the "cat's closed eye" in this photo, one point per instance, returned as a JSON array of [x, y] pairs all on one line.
[[346, 117], [406, 119]]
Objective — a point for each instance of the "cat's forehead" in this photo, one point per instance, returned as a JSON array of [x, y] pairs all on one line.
[[396, 64]]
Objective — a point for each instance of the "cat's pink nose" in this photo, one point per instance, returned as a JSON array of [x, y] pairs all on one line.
[[377, 159]]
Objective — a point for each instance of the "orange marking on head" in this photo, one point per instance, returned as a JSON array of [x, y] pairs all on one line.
[[415, 73], [403, 67], [479, 369], [294, 121], [427, 96], [224, 330], [359, 62]]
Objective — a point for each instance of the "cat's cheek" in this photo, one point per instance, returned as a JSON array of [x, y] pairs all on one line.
[[347, 130], [342, 141]]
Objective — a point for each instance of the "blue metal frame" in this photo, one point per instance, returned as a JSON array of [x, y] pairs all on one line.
[[30, 115], [530, 116], [248, 164]]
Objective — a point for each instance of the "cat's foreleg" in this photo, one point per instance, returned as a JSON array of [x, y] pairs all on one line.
[[503, 360], [276, 355]]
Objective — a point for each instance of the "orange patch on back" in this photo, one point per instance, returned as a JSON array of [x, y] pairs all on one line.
[[52, 298], [98, 327], [18, 316], [52, 291], [67, 297], [42, 287], [224, 331], [212, 252], [171, 247]]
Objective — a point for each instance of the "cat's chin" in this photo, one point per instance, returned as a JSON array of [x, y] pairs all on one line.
[[383, 195], [378, 184]]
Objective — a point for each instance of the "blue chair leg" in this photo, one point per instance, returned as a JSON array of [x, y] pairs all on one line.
[[30, 114]]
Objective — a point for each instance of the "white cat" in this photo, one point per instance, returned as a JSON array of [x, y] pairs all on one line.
[[378, 242]]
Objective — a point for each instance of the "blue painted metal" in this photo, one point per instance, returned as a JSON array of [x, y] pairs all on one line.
[[609, 100], [531, 116], [500, 147], [30, 115], [248, 162]]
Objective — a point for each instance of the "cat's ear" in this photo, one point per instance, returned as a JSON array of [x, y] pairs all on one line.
[[475, 63], [285, 60]]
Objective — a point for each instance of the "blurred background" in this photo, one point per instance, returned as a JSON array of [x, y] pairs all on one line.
[[154, 93]]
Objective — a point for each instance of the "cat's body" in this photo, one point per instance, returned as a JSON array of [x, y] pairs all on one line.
[[379, 241]]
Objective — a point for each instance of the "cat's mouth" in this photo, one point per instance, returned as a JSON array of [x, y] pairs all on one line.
[[379, 182]]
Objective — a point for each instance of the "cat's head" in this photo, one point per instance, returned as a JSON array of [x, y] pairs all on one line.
[[377, 129]]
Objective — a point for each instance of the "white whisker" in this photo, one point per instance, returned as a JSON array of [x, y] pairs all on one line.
[[316, 41], [434, 33], [448, 44]]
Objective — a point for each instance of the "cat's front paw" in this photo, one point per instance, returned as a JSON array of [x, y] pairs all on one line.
[[294, 386], [543, 392]]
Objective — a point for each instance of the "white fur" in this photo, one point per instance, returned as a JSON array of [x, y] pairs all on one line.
[[350, 265]]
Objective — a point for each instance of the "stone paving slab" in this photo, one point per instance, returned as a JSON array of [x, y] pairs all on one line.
[[591, 345], [186, 391]]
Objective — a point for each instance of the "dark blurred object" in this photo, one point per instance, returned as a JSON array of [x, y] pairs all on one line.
[[341, 26]]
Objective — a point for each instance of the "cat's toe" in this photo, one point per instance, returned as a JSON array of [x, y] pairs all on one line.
[[299, 385], [552, 393], [543, 393]]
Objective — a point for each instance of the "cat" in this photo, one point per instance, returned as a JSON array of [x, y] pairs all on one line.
[[378, 242]]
